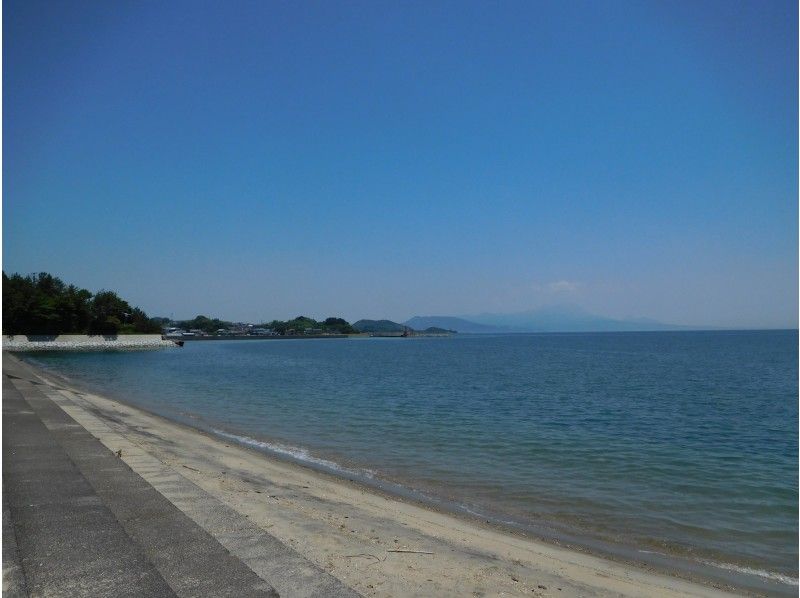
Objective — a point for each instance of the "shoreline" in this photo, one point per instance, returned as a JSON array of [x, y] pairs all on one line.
[[722, 576], [569, 564]]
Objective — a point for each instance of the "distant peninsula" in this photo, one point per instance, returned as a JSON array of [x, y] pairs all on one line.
[[378, 326], [388, 327]]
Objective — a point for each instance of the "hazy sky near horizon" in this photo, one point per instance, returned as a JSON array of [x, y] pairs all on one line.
[[259, 160]]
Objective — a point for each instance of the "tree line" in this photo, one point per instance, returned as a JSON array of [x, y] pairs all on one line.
[[44, 304], [303, 323], [299, 325]]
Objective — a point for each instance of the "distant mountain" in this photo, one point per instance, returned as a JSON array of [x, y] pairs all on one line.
[[551, 318], [568, 318], [378, 326], [451, 323]]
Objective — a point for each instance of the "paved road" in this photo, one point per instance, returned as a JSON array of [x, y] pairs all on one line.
[[77, 521]]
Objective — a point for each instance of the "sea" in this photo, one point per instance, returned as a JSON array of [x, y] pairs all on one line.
[[676, 449]]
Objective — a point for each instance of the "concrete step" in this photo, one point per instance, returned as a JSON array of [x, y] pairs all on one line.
[[69, 542], [85, 524]]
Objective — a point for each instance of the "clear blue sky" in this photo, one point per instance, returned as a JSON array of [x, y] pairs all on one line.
[[257, 160]]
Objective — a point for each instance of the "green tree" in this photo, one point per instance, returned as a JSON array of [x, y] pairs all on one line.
[[109, 312], [43, 304], [338, 325]]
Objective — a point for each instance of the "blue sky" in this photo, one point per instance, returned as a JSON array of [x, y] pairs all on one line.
[[257, 160]]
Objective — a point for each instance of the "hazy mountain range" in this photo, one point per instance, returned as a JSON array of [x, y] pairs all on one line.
[[453, 323], [553, 318]]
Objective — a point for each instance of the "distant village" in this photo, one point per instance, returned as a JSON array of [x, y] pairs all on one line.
[[242, 329]]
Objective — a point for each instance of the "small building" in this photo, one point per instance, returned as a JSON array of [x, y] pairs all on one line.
[[262, 332]]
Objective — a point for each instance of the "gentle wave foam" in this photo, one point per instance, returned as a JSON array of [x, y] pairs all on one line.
[[296, 453], [785, 579]]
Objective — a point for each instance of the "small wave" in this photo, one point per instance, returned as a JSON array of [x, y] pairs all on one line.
[[785, 579], [487, 517], [299, 454], [464, 507]]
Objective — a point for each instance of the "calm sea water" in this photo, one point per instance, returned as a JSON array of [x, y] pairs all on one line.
[[682, 444]]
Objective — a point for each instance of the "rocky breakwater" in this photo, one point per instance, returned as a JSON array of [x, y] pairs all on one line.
[[85, 342]]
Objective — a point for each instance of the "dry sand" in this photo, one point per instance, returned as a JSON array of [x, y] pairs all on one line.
[[357, 534]]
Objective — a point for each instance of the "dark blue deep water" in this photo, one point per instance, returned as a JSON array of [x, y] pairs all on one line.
[[680, 443]]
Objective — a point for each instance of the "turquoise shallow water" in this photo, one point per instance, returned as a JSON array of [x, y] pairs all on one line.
[[678, 443]]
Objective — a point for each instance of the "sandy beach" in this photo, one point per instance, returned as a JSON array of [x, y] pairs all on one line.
[[375, 544]]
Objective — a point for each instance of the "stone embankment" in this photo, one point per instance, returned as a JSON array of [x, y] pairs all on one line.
[[84, 342]]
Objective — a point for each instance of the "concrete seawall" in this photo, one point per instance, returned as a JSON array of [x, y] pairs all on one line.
[[84, 342]]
